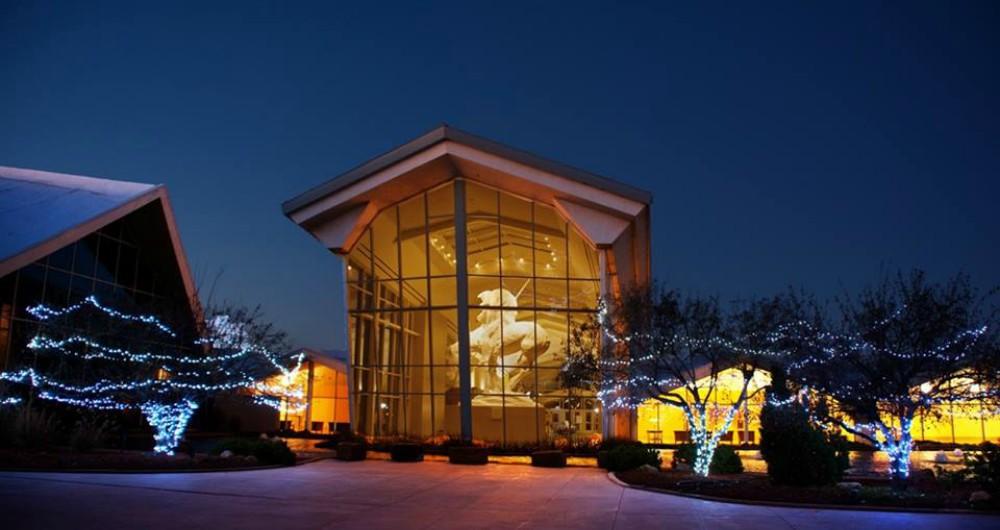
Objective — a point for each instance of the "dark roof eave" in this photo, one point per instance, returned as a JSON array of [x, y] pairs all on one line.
[[445, 132]]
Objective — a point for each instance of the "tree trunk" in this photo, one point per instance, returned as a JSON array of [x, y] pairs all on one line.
[[169, 422]]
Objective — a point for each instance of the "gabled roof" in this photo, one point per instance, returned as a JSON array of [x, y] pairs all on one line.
[[445, 132], [336, 359], [41, 212]]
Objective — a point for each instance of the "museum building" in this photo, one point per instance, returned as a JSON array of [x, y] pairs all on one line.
[[467, 264]]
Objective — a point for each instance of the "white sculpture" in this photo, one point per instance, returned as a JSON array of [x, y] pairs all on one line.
[[501, 336]]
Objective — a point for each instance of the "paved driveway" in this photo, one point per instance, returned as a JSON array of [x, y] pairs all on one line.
[[380, 494]]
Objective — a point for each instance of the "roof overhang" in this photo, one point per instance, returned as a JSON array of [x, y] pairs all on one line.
[[79, 231], [337, 211]]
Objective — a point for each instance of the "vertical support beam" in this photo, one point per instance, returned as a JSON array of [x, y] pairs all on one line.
[[462, 295], [309, 395], [352, 415]]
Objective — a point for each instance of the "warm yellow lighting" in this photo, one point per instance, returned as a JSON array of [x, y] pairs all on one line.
[[925, 388]]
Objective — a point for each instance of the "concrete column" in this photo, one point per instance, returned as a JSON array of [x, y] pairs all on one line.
[[462, 295]]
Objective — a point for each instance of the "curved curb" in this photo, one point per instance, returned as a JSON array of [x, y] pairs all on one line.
[[98, 471], [806, 506]]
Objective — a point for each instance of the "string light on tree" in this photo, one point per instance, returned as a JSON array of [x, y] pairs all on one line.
[[138, 362]]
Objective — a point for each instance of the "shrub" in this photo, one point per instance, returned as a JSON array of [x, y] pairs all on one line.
[[270, 452], [30, 428], [984, 467], [351, 451], [89, 433], [796, 452], [725, 460], [626, 457]]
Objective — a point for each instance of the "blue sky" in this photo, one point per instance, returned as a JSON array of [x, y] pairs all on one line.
[[815, 146]]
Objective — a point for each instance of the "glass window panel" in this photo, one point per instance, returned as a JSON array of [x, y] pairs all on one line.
[[107, 259], [583, 262], [86, 256], [443, 291], [388, 294], [413, 237], [515, 236], [441, 229], [445, 379], [385, 241], [522, 291], [483, 237], [550, 293], [583, 294], [550, 243], [444, 336], [127, 262], [359, 296], [485, 291], [63, 258], [415, 293], [359, 259], [29, 289], [57, 287]]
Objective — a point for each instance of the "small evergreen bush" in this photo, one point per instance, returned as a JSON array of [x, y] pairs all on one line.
[[725, 460], [983, 467], [89, 433], [631, 456], [269, 452], [797, 453]]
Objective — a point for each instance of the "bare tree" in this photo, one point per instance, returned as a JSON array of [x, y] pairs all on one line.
[[902, 347], [674, 350]]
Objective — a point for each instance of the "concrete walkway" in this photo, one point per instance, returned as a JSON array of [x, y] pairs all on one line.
[[379, 494]]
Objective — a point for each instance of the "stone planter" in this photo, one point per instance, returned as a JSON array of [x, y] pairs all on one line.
[[406, 452], [475, 456], [351, 451], [548, 459]]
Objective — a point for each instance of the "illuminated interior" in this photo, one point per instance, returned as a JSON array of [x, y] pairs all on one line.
[[323, 407], [665, 424], [960, 422], [530, 276]]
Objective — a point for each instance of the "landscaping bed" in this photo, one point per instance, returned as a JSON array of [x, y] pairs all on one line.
[[113, 460], [759, 488], [232, 453]]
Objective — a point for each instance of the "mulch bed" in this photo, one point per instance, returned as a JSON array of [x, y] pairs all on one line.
[[758, 488], [68, 460]]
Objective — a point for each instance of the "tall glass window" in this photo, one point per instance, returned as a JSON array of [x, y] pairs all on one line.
[[530, 278]]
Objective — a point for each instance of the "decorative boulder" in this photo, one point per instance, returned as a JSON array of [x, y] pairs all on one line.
[[468, 455], [351, 451], [646, 468], [226, 454], [979, 496], [406, 452], [850, 486], [554, 458]]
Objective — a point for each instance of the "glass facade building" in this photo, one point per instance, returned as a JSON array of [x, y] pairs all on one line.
[[465, 273], [113, 240]]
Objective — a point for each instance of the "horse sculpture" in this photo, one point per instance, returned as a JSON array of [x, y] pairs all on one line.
[[500, 337]]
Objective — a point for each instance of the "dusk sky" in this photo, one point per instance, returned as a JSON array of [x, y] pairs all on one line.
[[784, 145]]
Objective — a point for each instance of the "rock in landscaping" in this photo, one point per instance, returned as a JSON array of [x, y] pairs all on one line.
[[646, 468], [681, 466], [226, 454], [468, 455], [555, 458], [979, 496], [252, 460], [849, 486]]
